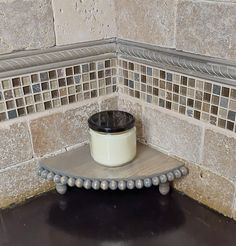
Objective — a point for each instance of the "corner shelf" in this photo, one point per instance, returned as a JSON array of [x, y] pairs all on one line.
[[77, 168]]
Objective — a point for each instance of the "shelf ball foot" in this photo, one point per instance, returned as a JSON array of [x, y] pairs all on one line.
[[164, 188], [61, 189]]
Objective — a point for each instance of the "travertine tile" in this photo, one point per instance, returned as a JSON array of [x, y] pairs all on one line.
[[57, 131], [219, 153], [149, 21], [172, 134], [77, 21], [200, 30], [135, 109], [21, 182], [26, 25], [208, 188], [15, 144], [109, 103]]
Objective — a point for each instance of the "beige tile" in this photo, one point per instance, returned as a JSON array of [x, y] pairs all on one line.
[[57, 131], [149, 21], [177, 136], [21, 182], [219, 153], [35, 16], [15, 144], [135, 109], [109, 103], [209, 35], [208, 188], [77, 21]]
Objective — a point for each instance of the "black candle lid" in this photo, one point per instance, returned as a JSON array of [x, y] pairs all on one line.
[[111, 121]]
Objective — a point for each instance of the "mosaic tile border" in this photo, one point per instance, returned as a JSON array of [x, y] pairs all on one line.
[[44, 90], [204, 100]]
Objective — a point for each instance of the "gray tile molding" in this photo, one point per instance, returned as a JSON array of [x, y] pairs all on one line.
[[215, 69]]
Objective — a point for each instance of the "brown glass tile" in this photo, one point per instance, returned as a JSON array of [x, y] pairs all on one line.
[[168, 104], [10, 104], [108, 63], [72, 99], [143, 78], [207, 97], [126, 82], [70, 80], [155, 82], [214, 109], [20, 102], [197, 114], [48, 105], [52, 74], [77, 70], [101, 74], [176, 88], [64, 101], [21, 111], [190, 102], [225, 92], [143, 69], [55, 94], [45, 86], [207, 87], [221, 123], [230, 125], [108, 81], [162, 74], [137, 94], [155, 91], [86, 86], [62, 82], [131, 66], [16, 82], [34, 78], [184, 80]]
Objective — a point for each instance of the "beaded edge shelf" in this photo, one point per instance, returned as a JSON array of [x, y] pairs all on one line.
[[161, 179]]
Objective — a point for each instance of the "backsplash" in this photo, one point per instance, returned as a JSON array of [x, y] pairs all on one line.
[[36, 92], [203, 100]]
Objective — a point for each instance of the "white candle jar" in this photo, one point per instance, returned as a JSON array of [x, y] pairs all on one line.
[[112, 137]]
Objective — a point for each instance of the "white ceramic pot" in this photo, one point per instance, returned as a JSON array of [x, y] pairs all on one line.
[[112, 138]]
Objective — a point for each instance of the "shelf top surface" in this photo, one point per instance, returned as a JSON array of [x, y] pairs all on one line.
[[79, 163]]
